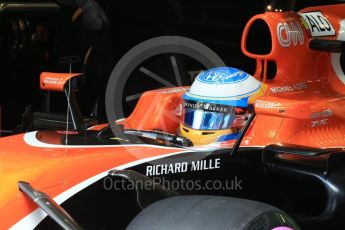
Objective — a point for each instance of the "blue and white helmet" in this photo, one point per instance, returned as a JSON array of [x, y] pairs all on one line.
[[223, 85], [215, 97]]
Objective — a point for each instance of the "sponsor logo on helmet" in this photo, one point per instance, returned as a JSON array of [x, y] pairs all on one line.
[[206, 106], [222, 76]]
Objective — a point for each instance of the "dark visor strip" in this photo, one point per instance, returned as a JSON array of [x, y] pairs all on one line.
[[206, 106]]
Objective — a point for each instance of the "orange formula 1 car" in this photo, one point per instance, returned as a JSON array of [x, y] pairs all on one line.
[[284, 145]]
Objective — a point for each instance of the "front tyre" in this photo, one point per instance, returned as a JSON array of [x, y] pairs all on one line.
[[211, 212]]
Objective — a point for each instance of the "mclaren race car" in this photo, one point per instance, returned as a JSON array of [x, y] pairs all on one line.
[[279, 164]]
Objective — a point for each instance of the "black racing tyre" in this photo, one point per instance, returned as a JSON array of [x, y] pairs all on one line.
[[211, 212]]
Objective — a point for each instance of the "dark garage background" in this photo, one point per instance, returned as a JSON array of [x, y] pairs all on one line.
[[49, 36]]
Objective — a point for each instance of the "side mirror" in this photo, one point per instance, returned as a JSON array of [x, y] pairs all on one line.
[[66, 83], [59, 81], [327, 45]]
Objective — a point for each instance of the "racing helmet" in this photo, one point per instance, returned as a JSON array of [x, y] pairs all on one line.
[[215, 108]]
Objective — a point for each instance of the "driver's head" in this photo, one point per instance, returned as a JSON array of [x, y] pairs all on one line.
[[216, 106]]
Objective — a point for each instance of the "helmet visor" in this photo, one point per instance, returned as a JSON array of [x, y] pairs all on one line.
[[207, 116]]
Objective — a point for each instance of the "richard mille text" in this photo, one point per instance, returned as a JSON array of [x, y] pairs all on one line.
[[181, 167]]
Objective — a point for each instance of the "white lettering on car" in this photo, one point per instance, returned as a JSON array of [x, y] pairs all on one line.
[[289, 88], [318, 24], [201, 165], [266, 104], [319, 123], [324, 113], [290, 33]]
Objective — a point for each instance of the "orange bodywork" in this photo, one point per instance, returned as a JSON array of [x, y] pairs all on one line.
[[55, 170], [157, 110], [304, 104], [305, 100]]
